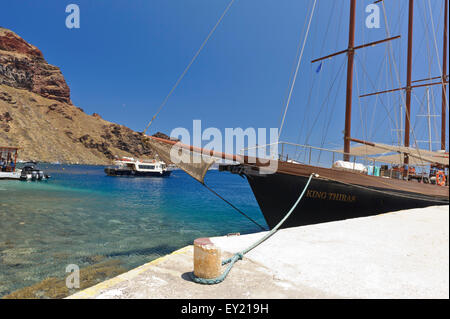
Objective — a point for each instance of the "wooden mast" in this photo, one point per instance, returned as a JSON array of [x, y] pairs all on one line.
[[350, 56], [444, 77], [348, 99], [408, 78], [409, 87]]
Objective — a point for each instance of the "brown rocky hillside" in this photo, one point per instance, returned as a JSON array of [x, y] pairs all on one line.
[[37, 115]]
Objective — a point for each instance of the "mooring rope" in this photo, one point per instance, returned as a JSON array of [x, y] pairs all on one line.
[[239, 255], [234, 207]]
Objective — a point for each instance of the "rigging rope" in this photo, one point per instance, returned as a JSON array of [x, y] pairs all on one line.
[[305, 115], [240, 255], [296, 70], [408, 116], [293, 69], [430, 63], [188, 66], [437, 53], [388, 111]]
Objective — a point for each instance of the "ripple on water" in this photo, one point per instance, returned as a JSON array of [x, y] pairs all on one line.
[[99, 223]]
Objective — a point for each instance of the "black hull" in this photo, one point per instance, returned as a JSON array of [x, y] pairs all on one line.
[[131, 173], [326, 200]]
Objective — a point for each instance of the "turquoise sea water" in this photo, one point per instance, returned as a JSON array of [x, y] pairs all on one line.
[[80, 213]]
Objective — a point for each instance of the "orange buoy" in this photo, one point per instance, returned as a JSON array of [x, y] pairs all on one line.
[[440, 178]]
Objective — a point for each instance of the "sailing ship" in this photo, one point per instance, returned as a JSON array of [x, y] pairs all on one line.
[[343, 190]]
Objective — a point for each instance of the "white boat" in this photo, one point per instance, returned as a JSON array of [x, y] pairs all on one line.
[[8, 169], [10, 175], [128, 166], [30, 172], [8, 159]]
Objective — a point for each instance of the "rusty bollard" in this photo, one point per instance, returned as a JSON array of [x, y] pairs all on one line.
[[207, 259]]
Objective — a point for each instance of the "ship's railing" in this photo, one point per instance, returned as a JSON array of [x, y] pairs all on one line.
[[322, 157], [304, 154]]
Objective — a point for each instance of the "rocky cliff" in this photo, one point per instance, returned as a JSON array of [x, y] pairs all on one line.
[[23, 66], [37, 115]]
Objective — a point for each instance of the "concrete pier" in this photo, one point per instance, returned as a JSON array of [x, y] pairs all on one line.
[[402, 254]]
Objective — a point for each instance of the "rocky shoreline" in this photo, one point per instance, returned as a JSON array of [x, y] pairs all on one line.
[[37, 114]]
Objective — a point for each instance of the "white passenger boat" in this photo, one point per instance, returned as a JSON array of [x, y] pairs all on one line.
[[128, 166]]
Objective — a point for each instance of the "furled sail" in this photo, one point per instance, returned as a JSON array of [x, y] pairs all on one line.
[[417, 156], [398, 159], [173, 152]]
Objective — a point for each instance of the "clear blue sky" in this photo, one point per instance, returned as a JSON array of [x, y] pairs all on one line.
[[127, 55]]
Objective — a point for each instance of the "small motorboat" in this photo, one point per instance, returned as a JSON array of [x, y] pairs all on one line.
[[30, 172]]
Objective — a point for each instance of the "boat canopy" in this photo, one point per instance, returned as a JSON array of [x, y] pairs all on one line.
[[394, 154], [8, 158], [8, 153], [398, 159], [8, 148]]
